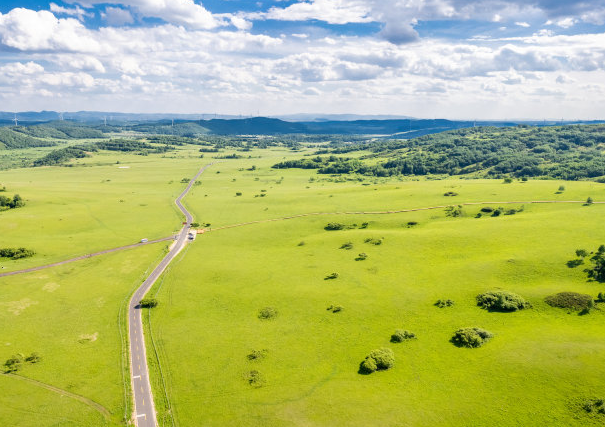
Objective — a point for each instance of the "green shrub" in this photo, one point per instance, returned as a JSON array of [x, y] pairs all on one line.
[[347, 246], [377, 360], [502, 301], [148, 302], [402, 335], [454, 211], [361, 257], [601, 297], [238, 194], [596, 406], [33, 358], [450, 194], [411, 224], [589, 201], [335, 226], [13, 364], [570, 300], [335, 308], [441, 303], [255, 378], [364, 225], [487, 209], [256, 355], [331, 276], [16, 253], [375, 242], [471, 337], [597, 271], [507, 180], [267, 313]]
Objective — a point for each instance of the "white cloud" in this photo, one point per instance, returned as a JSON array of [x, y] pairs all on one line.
[[25, 29], [331, 11], [181, 12], [522, 24], [117, 16], [77, 11]]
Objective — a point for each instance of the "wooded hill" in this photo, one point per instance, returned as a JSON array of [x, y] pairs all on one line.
[[563, 152]]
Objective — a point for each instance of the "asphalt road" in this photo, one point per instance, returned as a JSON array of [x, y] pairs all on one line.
[[144, 409]]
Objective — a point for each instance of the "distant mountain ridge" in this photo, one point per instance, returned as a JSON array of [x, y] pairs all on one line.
[[95, 124]]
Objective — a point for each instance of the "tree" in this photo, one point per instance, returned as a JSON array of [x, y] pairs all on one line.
[[589, 201], [148, 302]]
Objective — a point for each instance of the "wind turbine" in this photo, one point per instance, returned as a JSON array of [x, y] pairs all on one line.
[[15, 120], [61, 116]]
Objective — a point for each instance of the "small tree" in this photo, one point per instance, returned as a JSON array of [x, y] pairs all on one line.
[[589, 201], [148, 302]]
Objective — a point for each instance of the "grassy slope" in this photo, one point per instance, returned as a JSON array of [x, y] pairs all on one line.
[[79, 210], [71, 211], [53, 312], [539, 366]]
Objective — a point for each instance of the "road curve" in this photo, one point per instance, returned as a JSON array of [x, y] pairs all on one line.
[[144, 408]]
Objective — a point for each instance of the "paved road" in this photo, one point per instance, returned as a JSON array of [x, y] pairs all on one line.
[[144, 409], [81, 257]]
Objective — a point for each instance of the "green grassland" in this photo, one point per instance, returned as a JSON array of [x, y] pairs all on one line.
[[541, 364], [70, 316], [73, 315]]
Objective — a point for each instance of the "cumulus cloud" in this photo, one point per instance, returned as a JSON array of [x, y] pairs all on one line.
[[117, 16], [182, 12], [25, 29]]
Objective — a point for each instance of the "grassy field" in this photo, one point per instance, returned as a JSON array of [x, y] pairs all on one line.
[[70, 315], [541, 364]]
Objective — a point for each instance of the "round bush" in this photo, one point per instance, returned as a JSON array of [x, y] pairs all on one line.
[[401, 336], [267, 313], [570, 300], [471, 337], [502, 301], [378, 360]]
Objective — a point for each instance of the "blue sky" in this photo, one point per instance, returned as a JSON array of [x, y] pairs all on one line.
[[482, 59]]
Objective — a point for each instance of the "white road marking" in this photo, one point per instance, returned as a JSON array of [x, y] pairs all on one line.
[[142, 415], [136, 376]]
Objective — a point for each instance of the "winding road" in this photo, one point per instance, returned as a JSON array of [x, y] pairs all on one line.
[[144, 409]]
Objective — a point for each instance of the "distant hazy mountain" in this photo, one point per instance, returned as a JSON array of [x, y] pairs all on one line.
[[309, 117]]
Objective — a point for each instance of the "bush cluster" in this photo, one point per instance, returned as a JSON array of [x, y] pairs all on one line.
[[15, 362], [16, 253], [570, 300], [502, 301], [441, 303], [361, 257], [267, 313], [471, 337], [377, 360], [594, 406], [373, 241], [335, 226], [450, 194], [331, 276], [8, 203], [401, 335]]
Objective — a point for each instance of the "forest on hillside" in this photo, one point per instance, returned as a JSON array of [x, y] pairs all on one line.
[[561, 152]]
